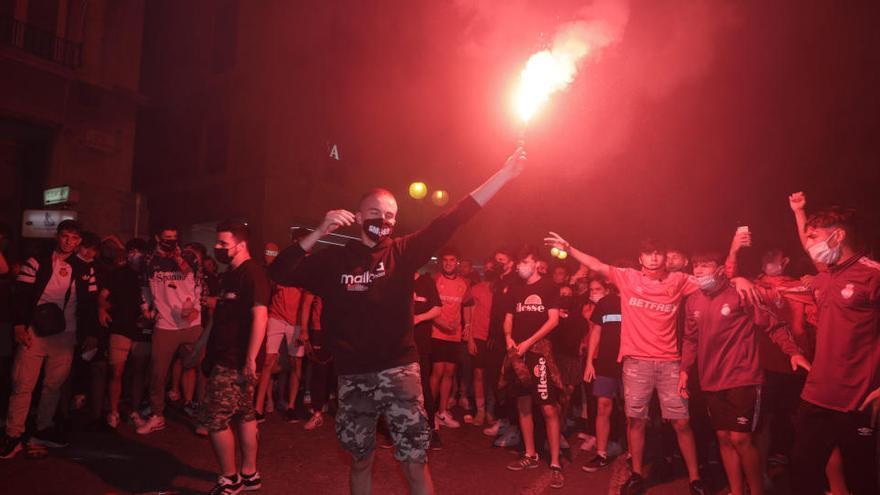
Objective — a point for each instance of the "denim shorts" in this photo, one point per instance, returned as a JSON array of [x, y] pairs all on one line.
[[641, 377], [606, 386]]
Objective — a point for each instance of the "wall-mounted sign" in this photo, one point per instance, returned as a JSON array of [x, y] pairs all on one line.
[[44, 223], [60, 196]]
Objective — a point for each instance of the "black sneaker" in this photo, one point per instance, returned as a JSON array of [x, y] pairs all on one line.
[[524, 462], [699, 488], [50, 437], [635, 485], [9, 446], [226, 486], [290, 416], [251, 482], [557, 479], [261, 418], [597, 463], [436, 444]]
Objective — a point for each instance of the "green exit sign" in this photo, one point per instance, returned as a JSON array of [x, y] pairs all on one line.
[[59, 196]]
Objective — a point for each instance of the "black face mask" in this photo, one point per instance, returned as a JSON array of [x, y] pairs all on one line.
[[222, 255], [378, 229], [167, 246]]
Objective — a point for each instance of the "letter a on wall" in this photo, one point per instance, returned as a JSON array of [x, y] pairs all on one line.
[[334, 152]]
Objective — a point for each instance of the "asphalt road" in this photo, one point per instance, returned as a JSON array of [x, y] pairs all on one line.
[[291, 460]]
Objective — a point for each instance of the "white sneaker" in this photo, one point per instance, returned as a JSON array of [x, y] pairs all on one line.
[[135, 419], [315, 421], [113, 420], [589, 443], [495, 428], [469, 418], [154, 423], [448, 421]]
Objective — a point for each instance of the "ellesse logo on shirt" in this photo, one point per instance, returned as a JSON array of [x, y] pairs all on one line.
[[532, 304]]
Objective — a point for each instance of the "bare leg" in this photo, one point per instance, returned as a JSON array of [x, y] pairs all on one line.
[[635, 430], [446, 386], [247, 437], [223, 443], [419, 478], [688, 447], [834, 472], [551, 417], [731, 461], [527, 424], [295, 375], [361, 476], [265, 380], [750, 460], [479, 390], [114, 389], [603, 423]]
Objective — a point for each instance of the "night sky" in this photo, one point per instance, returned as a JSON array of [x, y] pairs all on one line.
[[703, 117]]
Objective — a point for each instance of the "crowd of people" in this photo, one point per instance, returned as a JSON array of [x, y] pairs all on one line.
[[672, 349]]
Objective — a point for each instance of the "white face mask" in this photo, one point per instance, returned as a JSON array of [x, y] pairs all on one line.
[[595, 298], [709, 282], [821, 252], [525, 272], [773, 269]]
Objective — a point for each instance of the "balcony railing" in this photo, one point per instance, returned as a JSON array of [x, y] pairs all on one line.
[[41, 43]]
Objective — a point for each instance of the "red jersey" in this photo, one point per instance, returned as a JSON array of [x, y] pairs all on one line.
[[847, 362], [453, 292], [649, 309], [482, 297], [285, 304]]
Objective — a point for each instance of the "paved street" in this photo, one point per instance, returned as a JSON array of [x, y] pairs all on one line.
[[291, 460]]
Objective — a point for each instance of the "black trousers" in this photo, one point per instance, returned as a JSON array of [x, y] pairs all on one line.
[[817, 432]]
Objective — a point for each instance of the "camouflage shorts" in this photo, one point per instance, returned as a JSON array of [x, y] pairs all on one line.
[[394, 393], [228, 394]]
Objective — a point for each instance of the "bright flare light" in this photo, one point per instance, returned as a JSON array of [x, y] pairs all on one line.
[[544, 74], [418, 190]]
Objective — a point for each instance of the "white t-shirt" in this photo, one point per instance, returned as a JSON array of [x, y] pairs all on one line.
[[170, 291], [56, 288]]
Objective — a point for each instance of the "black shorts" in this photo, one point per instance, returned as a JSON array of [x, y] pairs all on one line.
[[443, 351], [734, 409], [481, 358], [541, 388]]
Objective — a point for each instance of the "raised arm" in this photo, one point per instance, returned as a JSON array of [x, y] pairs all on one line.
[[511, 169], [593, 263], [798, 201], [740, 240]]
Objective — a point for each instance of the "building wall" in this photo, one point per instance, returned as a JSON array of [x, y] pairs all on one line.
[[88, 112]]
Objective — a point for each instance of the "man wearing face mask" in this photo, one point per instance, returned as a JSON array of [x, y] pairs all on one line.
[[841, 399], [123, 310], [721, 337], [230, 363], [366, 287], [174, 291]]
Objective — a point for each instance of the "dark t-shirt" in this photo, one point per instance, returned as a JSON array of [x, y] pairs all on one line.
[[567, 337], [240, 290], [425, 297], [607, 315], [124, 285], [6, 297], [529, 305]]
